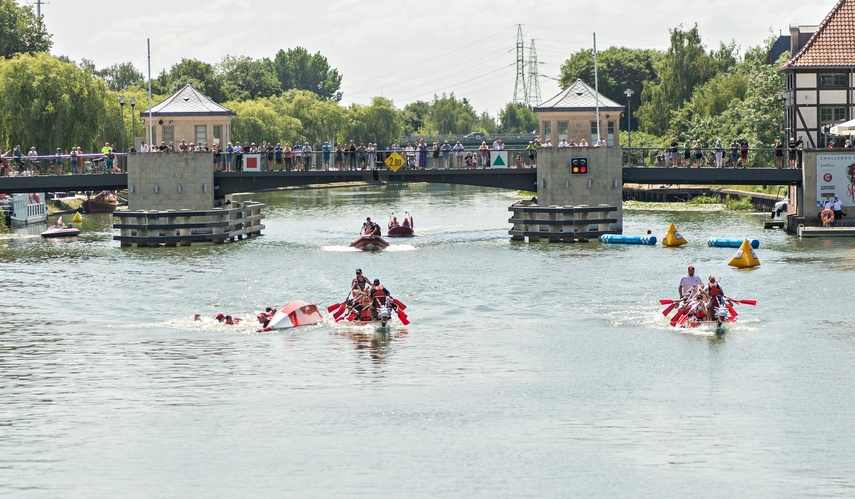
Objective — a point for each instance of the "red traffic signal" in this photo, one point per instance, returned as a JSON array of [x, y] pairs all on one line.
[[578, 166]]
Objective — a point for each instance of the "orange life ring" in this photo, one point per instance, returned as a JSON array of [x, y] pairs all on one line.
[[827, 216]]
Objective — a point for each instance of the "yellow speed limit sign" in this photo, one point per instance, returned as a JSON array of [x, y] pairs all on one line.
[[394, 161]]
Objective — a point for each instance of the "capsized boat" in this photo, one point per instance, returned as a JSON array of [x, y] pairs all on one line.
[[293, 314], [403, 229], [369, 242], [60, 230]]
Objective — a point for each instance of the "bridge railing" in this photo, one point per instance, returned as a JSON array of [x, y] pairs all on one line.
[[661, 157]]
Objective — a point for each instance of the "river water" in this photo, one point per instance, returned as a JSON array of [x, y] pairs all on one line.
[[529, 370]]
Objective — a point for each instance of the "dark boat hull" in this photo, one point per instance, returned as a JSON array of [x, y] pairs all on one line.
[[370, 243]]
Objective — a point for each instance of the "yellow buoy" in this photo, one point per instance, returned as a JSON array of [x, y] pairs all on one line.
[[745, 258], [673, 238], [77, 218]]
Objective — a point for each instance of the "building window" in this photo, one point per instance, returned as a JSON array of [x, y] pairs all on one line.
[[832, 80], [563, 127], [218, 134], [547, 130], [611, 135], [168, 133], [831, 115], [201, 134], [594, 136]]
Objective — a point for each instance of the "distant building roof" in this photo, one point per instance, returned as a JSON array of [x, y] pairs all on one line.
[[833, 43], [578, 97], [188, 101], [781, 46]]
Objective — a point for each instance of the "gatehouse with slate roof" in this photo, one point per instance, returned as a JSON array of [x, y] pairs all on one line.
[[572, 115], [188, 115]]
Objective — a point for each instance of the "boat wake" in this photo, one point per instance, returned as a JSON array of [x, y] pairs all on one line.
[[349, 249]]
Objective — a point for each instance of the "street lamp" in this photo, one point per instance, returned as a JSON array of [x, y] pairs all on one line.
[[628, 93], [133, 122], [122, 107]]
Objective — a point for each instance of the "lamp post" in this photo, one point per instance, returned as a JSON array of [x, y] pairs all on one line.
[[628, 92], [122, 114], [133, 122]]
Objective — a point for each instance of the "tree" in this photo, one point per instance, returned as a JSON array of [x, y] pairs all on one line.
[[685, 66], [259, 120], [54, 103], [517, 118], [21, 30], [618, 68], [379, 122], [414, 116], [201, 75], [450, 116], [247, 78], [120, 76], [298, 70], [320, 119]]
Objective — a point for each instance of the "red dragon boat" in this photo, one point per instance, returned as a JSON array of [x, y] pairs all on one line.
[[403, 229]]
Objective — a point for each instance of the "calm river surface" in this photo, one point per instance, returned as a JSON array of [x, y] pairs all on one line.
[[529, 370]]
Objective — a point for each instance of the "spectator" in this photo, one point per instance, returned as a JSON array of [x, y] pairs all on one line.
[[72, 162], [289, 156], [238, 157], [422, 147], [779, 154], [734, 153], [182, 146], [719, 154], [743, 152], [351, 154], [583, 143], [307, 156], [791, 152], [435, 156], [298, 156], [446, 151], [339, 156], [230, 157], [58, 161], [484, 155], [563, 143], [360, 155], [277, 156], [600, 143], [327, 152], [800, 147], [458, 154]]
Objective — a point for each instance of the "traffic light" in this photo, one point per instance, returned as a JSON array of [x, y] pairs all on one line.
[[578, 166]]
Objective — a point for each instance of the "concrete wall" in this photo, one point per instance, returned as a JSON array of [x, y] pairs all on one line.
[[170, 182], [556, 186]]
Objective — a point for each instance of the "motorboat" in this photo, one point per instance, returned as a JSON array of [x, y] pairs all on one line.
[[61, 230], [369, 242], [294, 314], [403, 229]]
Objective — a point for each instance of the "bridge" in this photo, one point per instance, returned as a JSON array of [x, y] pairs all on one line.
[[512, 178]]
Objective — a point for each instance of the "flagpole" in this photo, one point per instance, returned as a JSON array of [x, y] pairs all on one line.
[[597, 89], [150, 126]]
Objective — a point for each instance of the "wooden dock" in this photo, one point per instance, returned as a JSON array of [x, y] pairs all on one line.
[[805, 231]]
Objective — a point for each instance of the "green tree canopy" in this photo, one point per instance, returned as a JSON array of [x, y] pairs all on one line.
[[298, 70], [201, 75], [49, 103], [21, 30], [449, 116], [378, 122], [517, 118], [120, 76], [321, 120], [685, 66], [414, 116], [246, 78], [259, 120]]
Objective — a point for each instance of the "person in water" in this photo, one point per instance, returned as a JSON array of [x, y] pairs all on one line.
[[263, 319], [228, 319]]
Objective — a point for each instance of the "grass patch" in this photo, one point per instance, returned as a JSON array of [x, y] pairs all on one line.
[[704, 200], [741, 204]]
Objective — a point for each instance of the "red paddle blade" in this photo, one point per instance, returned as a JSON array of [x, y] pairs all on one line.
[[332, 307], [679, 315], [403, 317], [747, 302], [732, 312], [666, 302], [668, 309], [400, 305]]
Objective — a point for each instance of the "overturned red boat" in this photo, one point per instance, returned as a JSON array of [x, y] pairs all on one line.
[[402, 229], [293, 314]]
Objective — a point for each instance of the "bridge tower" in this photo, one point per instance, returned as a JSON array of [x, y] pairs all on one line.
[[533, 75], [520, 92]]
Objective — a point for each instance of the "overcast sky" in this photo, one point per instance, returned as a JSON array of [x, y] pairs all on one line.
[[405, 50]]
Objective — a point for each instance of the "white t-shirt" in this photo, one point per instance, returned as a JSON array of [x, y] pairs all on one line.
[[688, 281], [838, 205], [828, 204]]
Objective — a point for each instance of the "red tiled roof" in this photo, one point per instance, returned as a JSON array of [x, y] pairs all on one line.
[[833, 43]]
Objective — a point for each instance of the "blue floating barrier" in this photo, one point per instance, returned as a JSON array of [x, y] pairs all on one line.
[[618, 239], [720, 242]]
